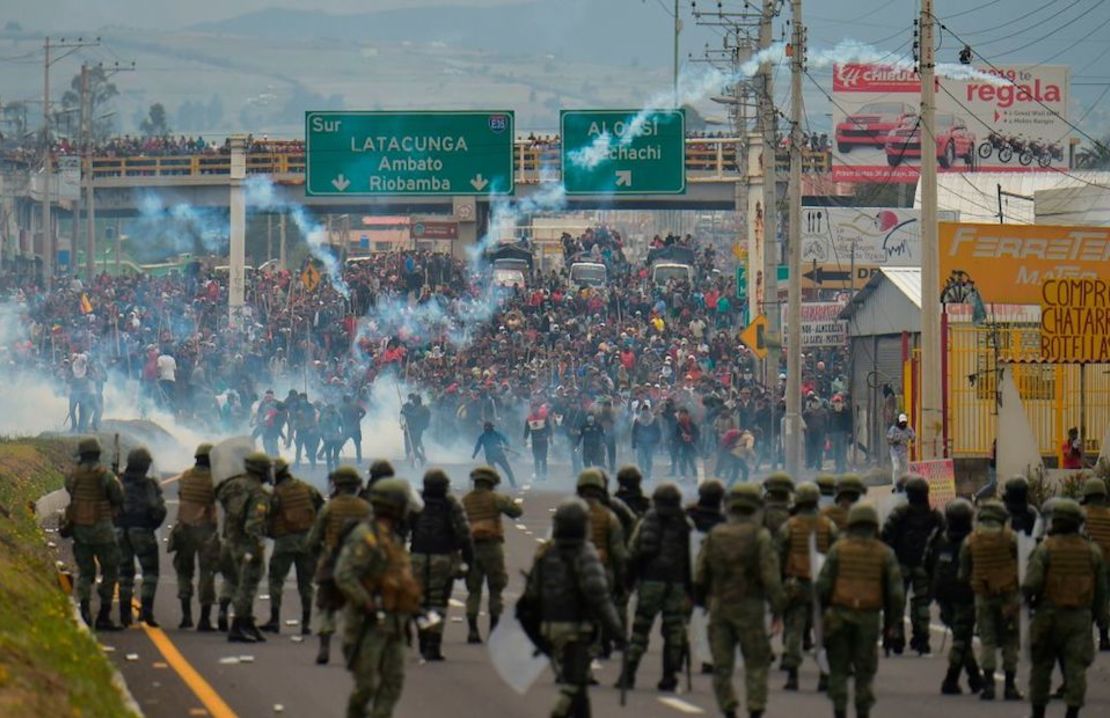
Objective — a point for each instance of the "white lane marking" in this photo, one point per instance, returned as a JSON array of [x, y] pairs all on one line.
[[681, 706]]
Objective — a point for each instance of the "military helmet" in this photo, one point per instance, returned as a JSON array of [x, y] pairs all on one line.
[[257, 462], [346, 477], [571, 519], [1016, 488], [1094, 486], [1067, 511], [436, 482], [711, 492], [591, 478], [666, 494], [916, 485], [993, 510], [861, 514], [745, 498], [380, 469], [89, 446], [807, 494], [390, 494], [203, 451], [778, 483], [958, 514], [139, 458], [826, 483], [485, 475], [281, 466], [850, 484], [629, 475]]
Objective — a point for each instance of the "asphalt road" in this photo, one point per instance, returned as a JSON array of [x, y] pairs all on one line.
[[212, 677]]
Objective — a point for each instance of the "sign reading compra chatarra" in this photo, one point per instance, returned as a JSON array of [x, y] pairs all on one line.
[[408, 153]]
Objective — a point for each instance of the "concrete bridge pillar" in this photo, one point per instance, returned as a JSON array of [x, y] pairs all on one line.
[[237, 233]]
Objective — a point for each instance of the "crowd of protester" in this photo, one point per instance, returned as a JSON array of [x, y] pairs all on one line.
[[657, 369]]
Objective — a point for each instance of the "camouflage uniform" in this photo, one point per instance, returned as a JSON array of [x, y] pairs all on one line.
[[374, 574], [441, 546], [143, 512], [1065, 584], [194, 540], [1098, 529], [293, 510], [793, 549], [989, 560], [776, 501], [608, 537], [484, 508], [859, 580], [246, 513], [660, 566], [737, 576], [95, 495], [849, 489]]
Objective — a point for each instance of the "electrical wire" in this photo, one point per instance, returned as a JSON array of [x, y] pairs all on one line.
[[974, 9], [1012, 21]]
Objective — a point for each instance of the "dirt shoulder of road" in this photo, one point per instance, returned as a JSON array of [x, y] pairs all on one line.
[[48, 665]]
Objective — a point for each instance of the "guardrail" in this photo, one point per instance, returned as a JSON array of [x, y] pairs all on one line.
[[707, 160]]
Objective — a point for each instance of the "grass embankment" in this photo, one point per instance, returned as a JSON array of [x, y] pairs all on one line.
[[48, 667]]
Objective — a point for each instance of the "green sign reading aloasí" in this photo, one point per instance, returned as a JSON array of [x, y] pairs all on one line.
[[623, 151], [408, 153]]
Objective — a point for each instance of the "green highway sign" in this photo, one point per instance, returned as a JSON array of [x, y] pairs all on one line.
[[623, 151], [408, 153]]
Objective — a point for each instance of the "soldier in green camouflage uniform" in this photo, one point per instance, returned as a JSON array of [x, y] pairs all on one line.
[[293, 510], [95, 495], [374, 574], [1097, 528], [793, 548], [777, 489], [441, 548], [344, 508], [143, 512], [849, 489], [1065, 584], [246, 513], [988, 559], [859, 580], [738, 576], [659, 568], [608, 537], [195, 540], [907, 530], [484, 509]]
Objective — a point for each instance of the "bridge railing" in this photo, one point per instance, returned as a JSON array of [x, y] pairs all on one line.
[[708, 159]]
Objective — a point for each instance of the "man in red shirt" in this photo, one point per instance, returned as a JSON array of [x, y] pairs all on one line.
[[1073, 450]]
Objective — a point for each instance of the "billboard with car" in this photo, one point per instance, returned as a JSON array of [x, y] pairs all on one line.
[[1014, 123]]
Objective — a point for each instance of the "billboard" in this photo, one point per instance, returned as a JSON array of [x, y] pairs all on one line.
[[821, 325], [980, 125], [1009, 263]]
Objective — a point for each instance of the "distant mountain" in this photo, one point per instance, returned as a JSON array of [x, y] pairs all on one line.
[[607, 31]]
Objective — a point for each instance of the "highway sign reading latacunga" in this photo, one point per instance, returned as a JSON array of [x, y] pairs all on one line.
[[408, 153], [623, 151]]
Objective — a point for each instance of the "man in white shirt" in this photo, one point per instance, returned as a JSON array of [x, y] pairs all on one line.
[[167, 377]]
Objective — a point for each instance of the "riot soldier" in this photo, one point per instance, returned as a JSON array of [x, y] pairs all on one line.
[[194, 540], [1098, 529], [859, 580], [342, 511], [907, 530], [143, 512], [484, 509], [1065, 585], [706, 513], [607, 536], [246, 513], [737, 577], [1015, 495], [629, 481], [776, 508], [849, 490], [293, 510], [441, 551], [826, 483], [95, 495]]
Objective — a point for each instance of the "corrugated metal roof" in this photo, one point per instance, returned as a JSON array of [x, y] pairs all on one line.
[[975, 195], [906, 279]]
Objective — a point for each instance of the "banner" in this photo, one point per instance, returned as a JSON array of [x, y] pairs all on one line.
[[1017, 125], [821, 326], [1075, 321], [941, 476], [1008, 264]]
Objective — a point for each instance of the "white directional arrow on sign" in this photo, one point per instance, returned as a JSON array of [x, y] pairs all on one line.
[[478, 182], [341, 183], [624, 178]]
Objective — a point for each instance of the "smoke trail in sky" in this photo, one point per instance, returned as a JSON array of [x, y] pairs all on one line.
[[176, 228]]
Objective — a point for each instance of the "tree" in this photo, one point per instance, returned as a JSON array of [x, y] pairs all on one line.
[[101, 92], [155, 123], [1095, 157], [14, 116]]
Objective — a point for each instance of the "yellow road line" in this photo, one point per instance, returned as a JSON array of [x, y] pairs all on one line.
[[208, 696]]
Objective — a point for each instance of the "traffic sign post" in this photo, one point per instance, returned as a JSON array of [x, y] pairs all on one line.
[[755, 336], [618, 152], [408, 153]]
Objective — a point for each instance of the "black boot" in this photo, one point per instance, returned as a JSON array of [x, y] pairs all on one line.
[[221, 617], [707, 669], [204, 625], [791, 680], [146, 614], [951, 684], [86, 613], [306, 622], [823, 683], [921, 645], [987, 693], [186, 613], [422, 637], [1104, 639], [668, 683], [324, 653], [494, 618], [627, 677], [472, 635], [1038, 712], [274, 624], [104, 619], [435, 647], [1010, 691], [755, 714], [840, 714], [126, 615], [252, 630], [974, 677], [236, 634], [1073, 712]]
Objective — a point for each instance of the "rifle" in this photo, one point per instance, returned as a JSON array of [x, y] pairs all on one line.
[[116, 457]]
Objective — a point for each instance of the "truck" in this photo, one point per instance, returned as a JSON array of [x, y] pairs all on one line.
[[671, 263], [510, 265]]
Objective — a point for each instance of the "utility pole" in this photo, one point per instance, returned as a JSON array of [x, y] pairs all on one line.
[[932, 416], [86, 174], [793, 437], [771, 251], [677, 30]]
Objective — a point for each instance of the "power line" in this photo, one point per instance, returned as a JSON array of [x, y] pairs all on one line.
[[1017, 19], [1054, 31], [974, 9]]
